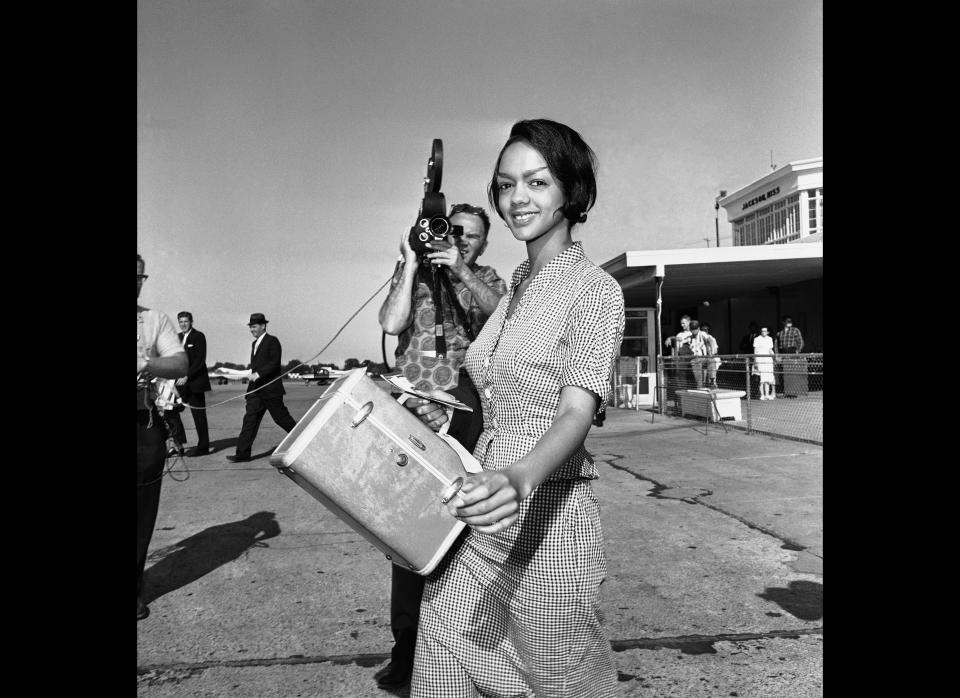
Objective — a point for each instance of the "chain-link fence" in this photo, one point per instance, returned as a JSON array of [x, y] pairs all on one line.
[[780, 395]]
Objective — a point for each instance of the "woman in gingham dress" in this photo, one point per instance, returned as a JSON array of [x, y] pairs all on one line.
[[515, 610]]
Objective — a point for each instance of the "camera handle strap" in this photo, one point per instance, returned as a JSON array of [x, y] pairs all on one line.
[[461, 314], [440, 343], [441, 281]]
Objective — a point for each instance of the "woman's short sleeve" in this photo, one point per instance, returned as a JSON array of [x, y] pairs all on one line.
[[593, 335]]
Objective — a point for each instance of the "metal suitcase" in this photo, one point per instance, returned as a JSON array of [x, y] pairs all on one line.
[[382, 471]]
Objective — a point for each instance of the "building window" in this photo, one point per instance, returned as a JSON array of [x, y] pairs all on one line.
[[771, 225], [793, 212], [636, 333], [784, 228], [815, 210]]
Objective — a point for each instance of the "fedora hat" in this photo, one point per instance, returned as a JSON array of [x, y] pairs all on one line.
[[257, 319]]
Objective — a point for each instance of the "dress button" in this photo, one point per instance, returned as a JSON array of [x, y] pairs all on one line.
[[488, 393], [486, 361]]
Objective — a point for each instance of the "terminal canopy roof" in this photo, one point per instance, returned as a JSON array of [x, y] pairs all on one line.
[[691, 276]]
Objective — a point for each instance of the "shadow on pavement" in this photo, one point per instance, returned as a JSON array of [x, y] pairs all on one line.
[[224, 444], [803, 600], [192, 558], [221, 444]]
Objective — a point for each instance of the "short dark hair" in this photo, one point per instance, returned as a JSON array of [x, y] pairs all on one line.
[[694, 325], [787, 317], [571, 161], [185, 313], [477, 211], [140, 259]]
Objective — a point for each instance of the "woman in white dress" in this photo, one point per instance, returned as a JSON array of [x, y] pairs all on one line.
[[763, 348]]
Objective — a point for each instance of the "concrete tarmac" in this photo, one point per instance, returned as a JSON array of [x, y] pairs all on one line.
[[713, 538]]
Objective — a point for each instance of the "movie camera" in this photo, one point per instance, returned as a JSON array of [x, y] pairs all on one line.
[[432, 223], [433, 226]]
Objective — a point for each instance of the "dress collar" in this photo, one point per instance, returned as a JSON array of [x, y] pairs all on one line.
[[552, 269]]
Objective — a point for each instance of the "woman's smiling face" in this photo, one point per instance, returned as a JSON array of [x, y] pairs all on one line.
[[530, 198]]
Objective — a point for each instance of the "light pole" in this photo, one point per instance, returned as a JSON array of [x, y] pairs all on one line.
[[716, 214]]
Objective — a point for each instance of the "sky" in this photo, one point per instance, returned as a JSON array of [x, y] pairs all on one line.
[[282, 145]]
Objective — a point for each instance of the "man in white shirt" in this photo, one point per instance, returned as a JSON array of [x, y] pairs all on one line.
[[159, 355], [679, 346]]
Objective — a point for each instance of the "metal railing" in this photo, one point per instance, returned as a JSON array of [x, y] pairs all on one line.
[[729, 388]]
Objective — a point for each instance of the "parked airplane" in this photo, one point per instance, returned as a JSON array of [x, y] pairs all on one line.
[[224, 375], [322, 376]]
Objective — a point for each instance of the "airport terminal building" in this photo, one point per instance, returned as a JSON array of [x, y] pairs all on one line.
[[784, 206], [759, 279]]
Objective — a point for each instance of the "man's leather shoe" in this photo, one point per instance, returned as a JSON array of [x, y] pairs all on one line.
[[239, 459], [142, 609], [396, 676], [194, 452]]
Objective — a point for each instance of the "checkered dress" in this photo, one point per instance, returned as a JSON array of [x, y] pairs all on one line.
[[517, 613]]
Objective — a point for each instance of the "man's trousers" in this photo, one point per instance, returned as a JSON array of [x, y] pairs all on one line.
[[195, 401], [256, 407], [151, 455]]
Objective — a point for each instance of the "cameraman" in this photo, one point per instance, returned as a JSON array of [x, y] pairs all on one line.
[[409, 311]]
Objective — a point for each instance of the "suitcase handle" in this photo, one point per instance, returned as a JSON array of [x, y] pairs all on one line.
[[361, 414]]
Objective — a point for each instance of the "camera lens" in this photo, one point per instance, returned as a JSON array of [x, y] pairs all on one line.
[[439, 227]]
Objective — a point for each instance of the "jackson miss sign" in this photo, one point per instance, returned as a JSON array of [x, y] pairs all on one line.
[[762, 197]]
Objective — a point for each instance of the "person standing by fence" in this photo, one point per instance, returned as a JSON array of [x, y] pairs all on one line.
[[763, 364], [746, 342], [698, 360], [713, 362], [794, 368], [680, 350]]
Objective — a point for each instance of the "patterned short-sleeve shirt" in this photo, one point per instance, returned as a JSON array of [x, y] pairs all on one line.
[[416, 345], [566, 330], [698, 344]]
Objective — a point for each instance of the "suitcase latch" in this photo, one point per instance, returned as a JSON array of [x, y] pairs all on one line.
[[417, 442], [451, 490], [361, 415]]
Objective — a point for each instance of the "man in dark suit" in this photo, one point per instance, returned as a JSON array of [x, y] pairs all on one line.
[[193, 386], [262, 394]]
